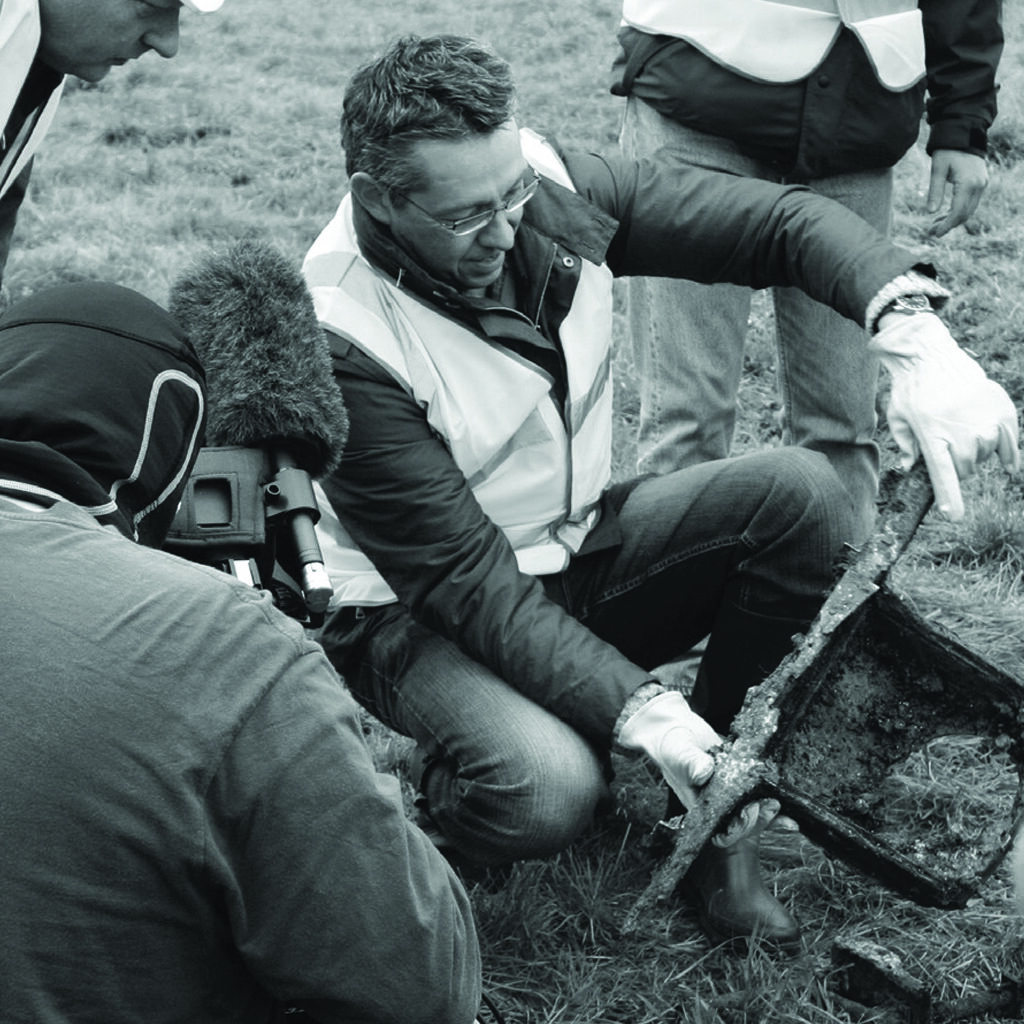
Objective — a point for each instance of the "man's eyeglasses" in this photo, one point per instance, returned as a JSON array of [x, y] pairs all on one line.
[[469, 225]]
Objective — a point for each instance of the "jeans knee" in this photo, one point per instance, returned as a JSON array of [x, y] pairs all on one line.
[[801, 527], [828, 499], [534, 808], [558, 804], [812, 491]]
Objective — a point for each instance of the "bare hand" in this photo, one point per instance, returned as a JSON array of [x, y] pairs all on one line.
[[966, 175]]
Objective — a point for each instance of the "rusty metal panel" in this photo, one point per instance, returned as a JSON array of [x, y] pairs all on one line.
[[883, 686], [871, 685]]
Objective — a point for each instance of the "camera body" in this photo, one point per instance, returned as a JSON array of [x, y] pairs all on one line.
[[251, 512]]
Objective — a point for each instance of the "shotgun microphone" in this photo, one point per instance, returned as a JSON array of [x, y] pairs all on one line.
[[250, 317]]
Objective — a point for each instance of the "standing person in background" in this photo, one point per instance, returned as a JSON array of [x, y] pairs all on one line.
[[41, 41], [813, 92]]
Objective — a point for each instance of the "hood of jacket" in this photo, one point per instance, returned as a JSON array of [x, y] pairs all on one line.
[[102, 404]]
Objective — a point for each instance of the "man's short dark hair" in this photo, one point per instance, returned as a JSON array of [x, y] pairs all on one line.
[[435, 87]]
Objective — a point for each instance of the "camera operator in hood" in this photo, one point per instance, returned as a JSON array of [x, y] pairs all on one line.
[[193, 828]]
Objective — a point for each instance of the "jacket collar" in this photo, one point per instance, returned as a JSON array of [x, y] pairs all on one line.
[[555, 217]]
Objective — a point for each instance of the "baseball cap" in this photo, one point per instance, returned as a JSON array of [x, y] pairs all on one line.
[[203, 6]]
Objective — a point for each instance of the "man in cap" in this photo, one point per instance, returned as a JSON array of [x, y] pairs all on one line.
[[192, 826], [41, 41]]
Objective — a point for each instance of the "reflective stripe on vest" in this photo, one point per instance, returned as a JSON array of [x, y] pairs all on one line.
[[785, 40], [537, 481], [19, 40]]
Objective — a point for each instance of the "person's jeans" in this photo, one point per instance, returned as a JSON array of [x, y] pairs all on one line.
[[742, 549], [688, 340]]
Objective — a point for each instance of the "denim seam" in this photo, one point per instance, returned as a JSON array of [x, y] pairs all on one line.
[[624, 586]]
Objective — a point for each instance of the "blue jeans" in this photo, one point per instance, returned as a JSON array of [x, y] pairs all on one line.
[[740, 550], [688, 340]]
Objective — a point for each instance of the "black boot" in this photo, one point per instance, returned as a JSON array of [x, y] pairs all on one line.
[[725, 886]]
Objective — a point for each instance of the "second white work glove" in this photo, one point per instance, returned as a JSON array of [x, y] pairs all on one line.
[[676, 739], [943, 406]]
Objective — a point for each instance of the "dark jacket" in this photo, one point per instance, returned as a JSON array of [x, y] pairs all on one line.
[[410, 509], [192, 828], [839, 119]]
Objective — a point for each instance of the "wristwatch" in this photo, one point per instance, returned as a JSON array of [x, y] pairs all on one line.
[[908, 304]]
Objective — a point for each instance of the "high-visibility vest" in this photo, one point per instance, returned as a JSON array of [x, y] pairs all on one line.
[[537, 475], [785, 40], [19, 41]]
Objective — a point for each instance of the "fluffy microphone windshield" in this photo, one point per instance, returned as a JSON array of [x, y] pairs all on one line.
[[250, 317]]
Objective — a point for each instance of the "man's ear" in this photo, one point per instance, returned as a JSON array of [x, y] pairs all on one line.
[[371, 196]]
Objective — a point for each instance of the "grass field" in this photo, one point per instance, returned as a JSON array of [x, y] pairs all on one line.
[[238, 137]]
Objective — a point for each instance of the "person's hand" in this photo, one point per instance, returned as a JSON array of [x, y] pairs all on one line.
[[967, 177], [942, 405], [676, 739]]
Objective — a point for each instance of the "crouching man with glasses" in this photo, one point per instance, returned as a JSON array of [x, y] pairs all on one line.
[[497, 597]]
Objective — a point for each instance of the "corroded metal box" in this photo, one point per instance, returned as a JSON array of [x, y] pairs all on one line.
[[872, 735]]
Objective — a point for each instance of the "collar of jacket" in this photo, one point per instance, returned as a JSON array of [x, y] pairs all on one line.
[[555, 217]]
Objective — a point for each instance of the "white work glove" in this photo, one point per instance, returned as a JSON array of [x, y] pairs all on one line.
[[676, 739], [943, 406]]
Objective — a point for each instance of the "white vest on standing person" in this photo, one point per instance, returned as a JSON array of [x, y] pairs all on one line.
[[537, 475], [19, 41], [785, 40]]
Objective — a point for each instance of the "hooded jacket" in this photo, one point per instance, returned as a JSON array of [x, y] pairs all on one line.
[[192, 826], [121, 445]]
